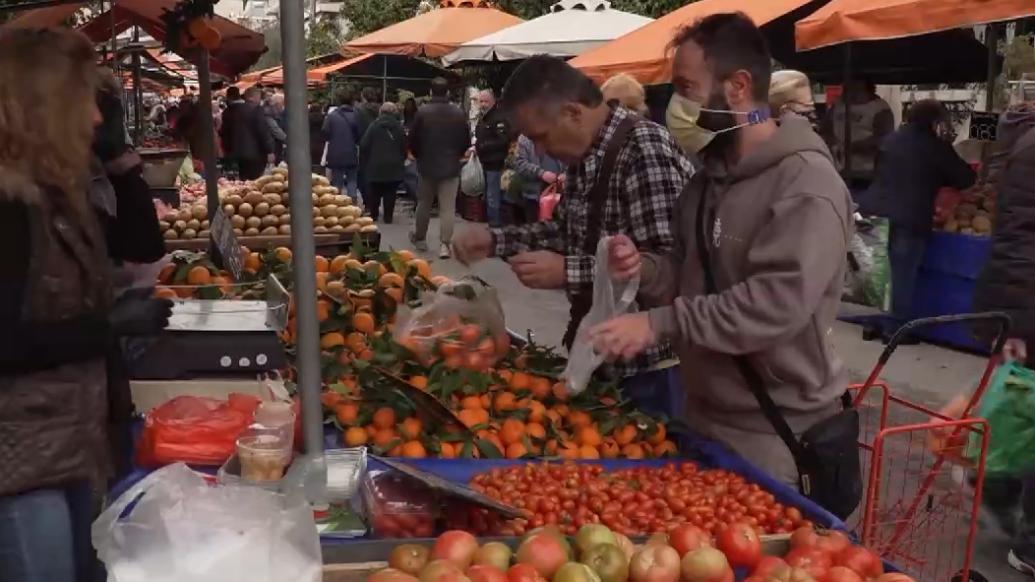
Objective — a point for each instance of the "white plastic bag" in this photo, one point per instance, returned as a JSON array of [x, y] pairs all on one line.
[[182, 528], [472, 177], [610, 299]]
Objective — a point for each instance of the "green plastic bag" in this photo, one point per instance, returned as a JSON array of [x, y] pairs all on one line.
[[1009, 408]]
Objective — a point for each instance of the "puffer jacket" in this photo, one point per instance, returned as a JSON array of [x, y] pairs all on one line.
[[53, 383], [1007, 282]]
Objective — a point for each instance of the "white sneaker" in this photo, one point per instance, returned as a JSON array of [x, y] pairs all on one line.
[[418, 245], [443, 251], [1020, 565]]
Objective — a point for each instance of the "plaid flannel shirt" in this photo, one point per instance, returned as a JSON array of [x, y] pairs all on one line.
[[649, 175]]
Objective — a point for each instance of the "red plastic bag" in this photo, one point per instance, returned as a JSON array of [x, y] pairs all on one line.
[[548, 201], [194, 430]]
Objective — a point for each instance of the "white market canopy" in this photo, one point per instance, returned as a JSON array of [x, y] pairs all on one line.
[[569, 29]]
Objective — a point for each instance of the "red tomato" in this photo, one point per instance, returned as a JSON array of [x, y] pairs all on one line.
[[766, 566], [894, 577], [841, 574], [860, 560], [812, 560], [686, 537], [830, 541], [741, 545]]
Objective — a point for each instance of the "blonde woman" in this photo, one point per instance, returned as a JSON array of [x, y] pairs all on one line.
[[56, 308], [623, 89], [791, 92]]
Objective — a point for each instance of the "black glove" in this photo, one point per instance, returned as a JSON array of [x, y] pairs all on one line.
[[136, 312]]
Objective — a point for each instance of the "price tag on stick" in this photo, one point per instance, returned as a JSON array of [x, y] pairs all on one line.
[[227, 247]]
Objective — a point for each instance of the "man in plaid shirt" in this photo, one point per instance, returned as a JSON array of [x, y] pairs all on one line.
[[563, 112]]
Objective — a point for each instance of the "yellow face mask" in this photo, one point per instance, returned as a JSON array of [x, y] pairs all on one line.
[[681, 118]]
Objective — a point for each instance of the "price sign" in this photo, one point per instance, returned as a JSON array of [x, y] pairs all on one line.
[[226, 245], [984, 125]]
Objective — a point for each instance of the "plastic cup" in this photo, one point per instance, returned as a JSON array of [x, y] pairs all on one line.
[[263, 457]]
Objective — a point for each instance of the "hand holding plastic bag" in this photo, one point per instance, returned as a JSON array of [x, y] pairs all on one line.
[[182, 529], [610, 299], [1009, 408], [472, 178]]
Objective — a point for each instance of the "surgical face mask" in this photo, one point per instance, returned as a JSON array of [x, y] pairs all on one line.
[[695, 126]]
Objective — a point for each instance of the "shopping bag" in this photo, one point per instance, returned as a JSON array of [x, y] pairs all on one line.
[[195, 430], [461, 323], [173, 526], [610, 299], [1009, 407], [472, 178], [548, 201]]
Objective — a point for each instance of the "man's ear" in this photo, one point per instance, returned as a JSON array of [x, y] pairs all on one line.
[[738, 88], [572, 110]]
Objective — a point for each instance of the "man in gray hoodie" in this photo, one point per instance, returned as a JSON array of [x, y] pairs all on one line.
[[775, 220]]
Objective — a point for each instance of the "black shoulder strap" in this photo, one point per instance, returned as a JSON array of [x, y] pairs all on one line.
[[598, 193], [751, 377]]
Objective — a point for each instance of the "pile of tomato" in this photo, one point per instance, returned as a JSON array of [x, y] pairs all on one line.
[[635, 501]]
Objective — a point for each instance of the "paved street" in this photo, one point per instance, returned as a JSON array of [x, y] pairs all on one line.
[[924, 374]]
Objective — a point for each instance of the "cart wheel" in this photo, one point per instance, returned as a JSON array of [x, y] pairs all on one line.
[[974, 576]]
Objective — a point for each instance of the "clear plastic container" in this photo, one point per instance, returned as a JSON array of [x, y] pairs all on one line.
[[398, 507], [263, 457]]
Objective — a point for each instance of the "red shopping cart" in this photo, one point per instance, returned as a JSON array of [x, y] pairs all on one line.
[[925, 469]]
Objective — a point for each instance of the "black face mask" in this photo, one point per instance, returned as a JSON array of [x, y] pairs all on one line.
[[717, 120]]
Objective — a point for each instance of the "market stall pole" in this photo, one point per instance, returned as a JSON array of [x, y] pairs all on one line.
[[208, 153], [292, 32]]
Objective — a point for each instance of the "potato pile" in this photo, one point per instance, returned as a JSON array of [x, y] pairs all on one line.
[[973, 215], [261, 208]]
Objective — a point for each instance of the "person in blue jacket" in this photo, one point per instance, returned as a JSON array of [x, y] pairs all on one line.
[[341, 128]]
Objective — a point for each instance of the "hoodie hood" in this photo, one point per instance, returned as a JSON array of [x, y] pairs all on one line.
[[794, 135]]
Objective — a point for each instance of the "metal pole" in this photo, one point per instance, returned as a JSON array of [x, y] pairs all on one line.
[[992, 40], [138, 93], [384, 78], [208, 156], [292, 34], [847, 170]]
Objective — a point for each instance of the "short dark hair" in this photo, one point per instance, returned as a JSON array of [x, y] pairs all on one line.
[[344, 96], [547, 79], [233, 93], [252, 91], [370, 94], [731, 42], [439, 87], [926, 113]]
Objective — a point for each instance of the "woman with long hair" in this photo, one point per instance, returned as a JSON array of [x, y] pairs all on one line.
[[56, 308]]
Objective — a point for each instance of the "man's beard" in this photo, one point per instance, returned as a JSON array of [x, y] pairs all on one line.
[[718, 122]]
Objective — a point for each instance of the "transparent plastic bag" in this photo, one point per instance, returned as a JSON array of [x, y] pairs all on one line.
[[472, 177], [1009, 408], [461, 323], [182, 528], [195, 430], [610, 299]]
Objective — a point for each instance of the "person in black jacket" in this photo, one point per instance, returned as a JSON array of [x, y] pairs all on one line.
[[367, 112], [382, 158], [913, 164], [341, 128], [247, 140], [492, 142], [439, 140]]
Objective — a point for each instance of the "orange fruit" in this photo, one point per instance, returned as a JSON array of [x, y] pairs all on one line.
[[395, 293], [588, 452], [330, 399], [520, 381], [226, 286], [625, 434], [633, 451], [562, 409], [414, 450], [553, 417], [371, 430], [512, 431], [422, 266], [355, 436], [659, 435], [165, 293], [322, 264], [664, 449], [411, 427], [446, 451], [390, 280], [346, 413], [495, 440], [536, 411], [363, 323], [579, 419], [199, 276], [252, 262], [166, 274], [384, 418], [540, 388], [470, 417], [283, 254], [384, 436], [321, 282], [516, 450], [475, 361], [535, 430], [337, 264], [472, 402], [609, 449], [356, 342], [505, 401], [374, 267], [560, 391], [505, 375], [551, 447], [420, 382], [454, 361], [568, 450], [588, 436], [353, 264], [331, 339], [502, 344], [335, 289], [404, 255], [470, 333], [451, 348], [323, 310], [486, 401]]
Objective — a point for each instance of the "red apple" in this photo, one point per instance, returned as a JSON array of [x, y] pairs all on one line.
[[409, 558], [456, 546], [391, 575], [841, 574], [442, 571], [575, 572], [486, 573], [685, 538], [493, 554], [705, 564], [524, 573], [544, 552], [654, 563], [860, 560], [766, 565]]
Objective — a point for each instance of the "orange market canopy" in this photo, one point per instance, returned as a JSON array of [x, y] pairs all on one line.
[[437, 32], [396, 70], [239, 49], [843, 21]]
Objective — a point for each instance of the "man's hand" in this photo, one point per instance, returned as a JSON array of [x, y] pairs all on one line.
[[549, 177], [472, 244], [539, 269], [623, 337], [623, 260], [1015, 350]]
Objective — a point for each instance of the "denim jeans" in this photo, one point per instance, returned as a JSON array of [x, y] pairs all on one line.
[[656, 392], [493, 196], [45, 535], [1011, 500], [906, 248], [347, 181]]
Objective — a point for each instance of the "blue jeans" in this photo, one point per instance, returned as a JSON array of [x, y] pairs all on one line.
[[346, 180], [906, 248], [656, 392], [493, 196], [45, 535]]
